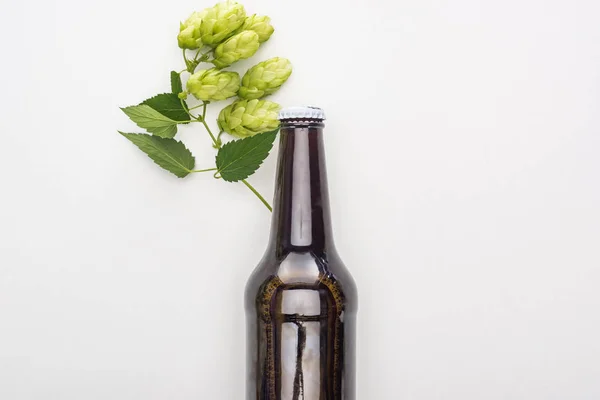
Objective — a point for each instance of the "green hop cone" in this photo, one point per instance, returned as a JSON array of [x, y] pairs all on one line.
[[221, 21], [244, 118], [265, 78], [261, 24], [189, 32], [213, 84], [240, 46]]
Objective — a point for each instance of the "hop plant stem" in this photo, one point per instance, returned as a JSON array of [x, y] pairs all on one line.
[[265, 202], [203, 170], [214, 139]]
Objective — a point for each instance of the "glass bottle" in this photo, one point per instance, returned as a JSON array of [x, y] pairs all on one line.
[[301, 301]]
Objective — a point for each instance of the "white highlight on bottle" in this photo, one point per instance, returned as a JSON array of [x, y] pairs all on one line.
[[298, 267], [301, 301], [301, 234]]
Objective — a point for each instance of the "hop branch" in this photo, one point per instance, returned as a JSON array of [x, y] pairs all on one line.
[[220, 35]]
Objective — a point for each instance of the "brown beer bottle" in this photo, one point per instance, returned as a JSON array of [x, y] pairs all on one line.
[[301, 301]]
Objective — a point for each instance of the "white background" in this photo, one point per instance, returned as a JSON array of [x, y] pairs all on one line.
[[463, 143]]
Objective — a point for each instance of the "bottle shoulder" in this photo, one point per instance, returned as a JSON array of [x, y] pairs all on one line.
[[303, 270]]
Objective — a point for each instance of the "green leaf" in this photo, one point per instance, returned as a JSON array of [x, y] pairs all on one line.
[[154, 122], [239, 159], [170, 154], [176, 86], [169, 105]]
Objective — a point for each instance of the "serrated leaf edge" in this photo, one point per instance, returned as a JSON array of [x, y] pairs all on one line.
[[183, 105], [245, 154], [141, 105], [154, 131], [189, 171]]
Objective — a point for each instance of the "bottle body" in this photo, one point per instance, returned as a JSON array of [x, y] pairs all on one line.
[[301, 301], [301, 330]]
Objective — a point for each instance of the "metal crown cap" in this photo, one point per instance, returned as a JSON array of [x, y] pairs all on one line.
[[302, 112]]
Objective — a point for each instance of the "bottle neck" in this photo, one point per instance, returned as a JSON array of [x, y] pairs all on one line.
[[301, 215]]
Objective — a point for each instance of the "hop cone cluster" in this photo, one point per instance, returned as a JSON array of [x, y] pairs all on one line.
[[225, 28], [213, 84], [230, 36], [244, 118], [265, 78]]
